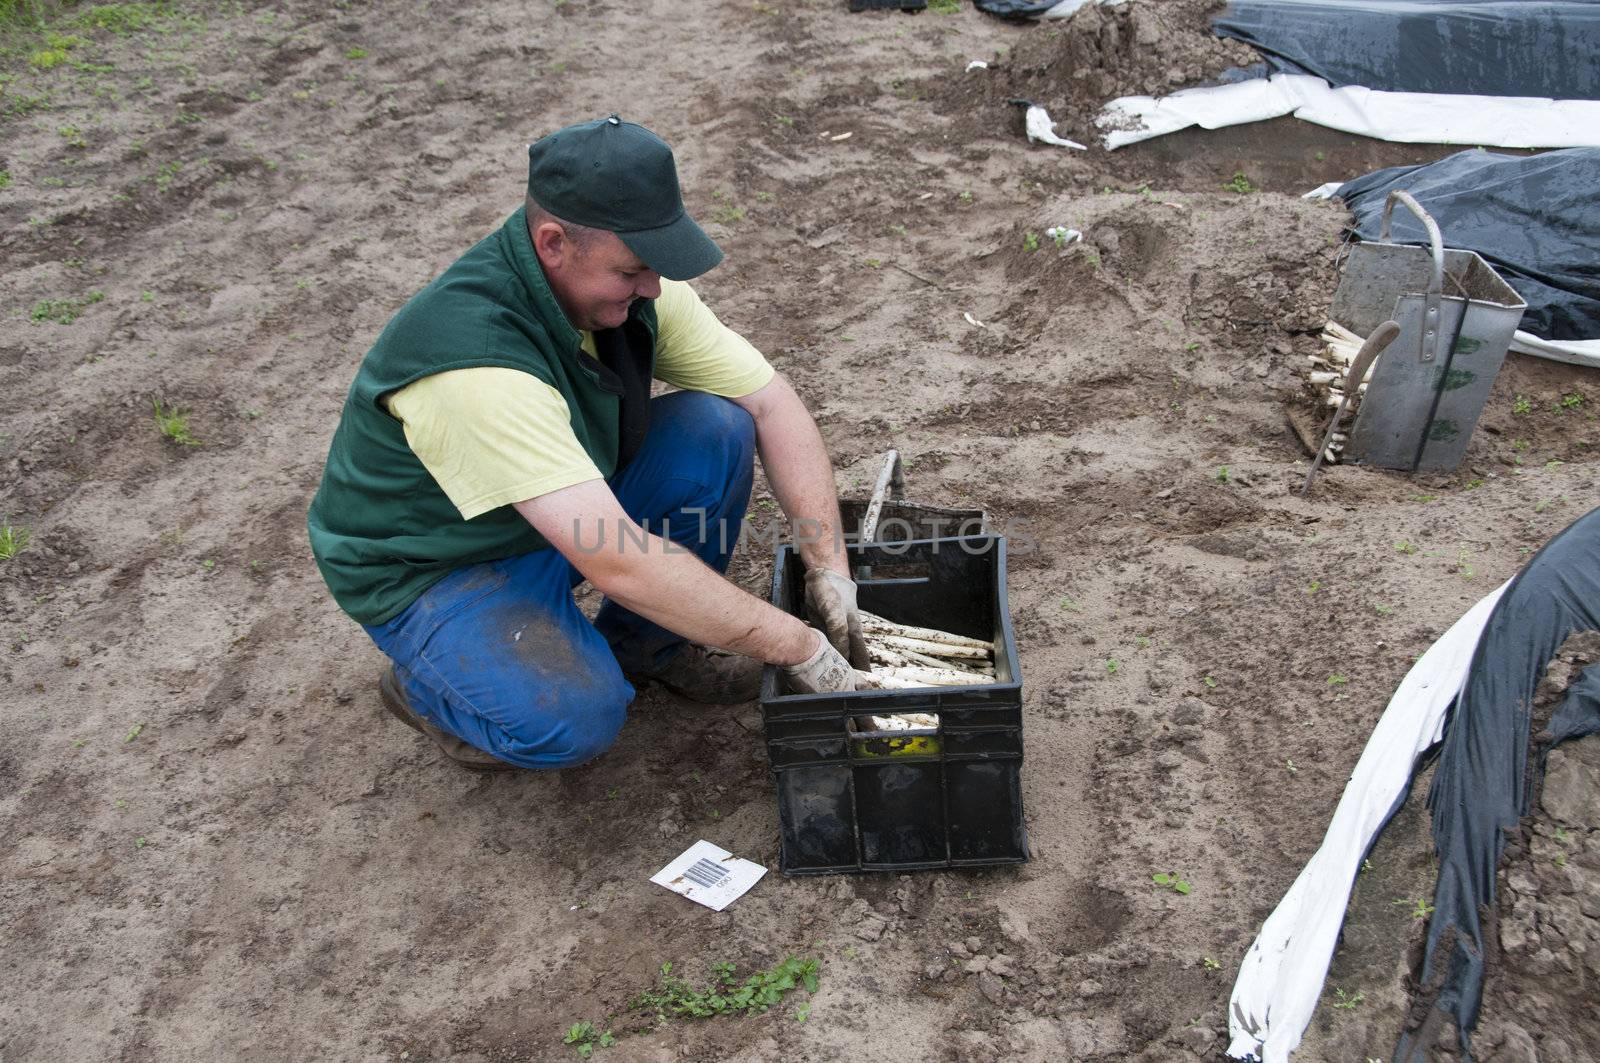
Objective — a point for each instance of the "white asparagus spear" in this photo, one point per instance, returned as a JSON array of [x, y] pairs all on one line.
[[881, 681], [934, 649], [884, 655], [874, 622], [912, 657], [937, 677]]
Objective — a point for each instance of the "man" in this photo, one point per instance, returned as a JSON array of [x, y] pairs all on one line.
[[499, 446]]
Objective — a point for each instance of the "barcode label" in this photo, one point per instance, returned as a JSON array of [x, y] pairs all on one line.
[[705, 873], [709, 875]]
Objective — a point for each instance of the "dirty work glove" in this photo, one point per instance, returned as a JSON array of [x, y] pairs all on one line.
[[821, 673], [831, 601]]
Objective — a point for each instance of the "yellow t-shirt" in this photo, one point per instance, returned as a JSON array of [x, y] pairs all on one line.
[[492, 436]]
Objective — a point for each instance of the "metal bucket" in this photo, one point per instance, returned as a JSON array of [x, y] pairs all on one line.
[[1456, 318]]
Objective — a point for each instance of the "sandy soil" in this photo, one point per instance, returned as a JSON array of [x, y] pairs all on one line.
[[222, 848]]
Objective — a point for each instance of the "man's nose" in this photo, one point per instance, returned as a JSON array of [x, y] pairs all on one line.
[[649, 286]]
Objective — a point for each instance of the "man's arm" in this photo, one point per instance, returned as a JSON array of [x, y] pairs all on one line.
[[797, 467], [661, 580]]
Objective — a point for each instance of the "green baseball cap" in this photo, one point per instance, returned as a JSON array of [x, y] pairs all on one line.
[[617, 176]]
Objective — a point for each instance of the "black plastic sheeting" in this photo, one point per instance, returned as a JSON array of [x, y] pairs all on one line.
[[1482, 784], [1536, 218], [1509, 48]]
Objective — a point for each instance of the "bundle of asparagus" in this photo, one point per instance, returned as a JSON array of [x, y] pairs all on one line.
[[1327, 376], [906, 657]]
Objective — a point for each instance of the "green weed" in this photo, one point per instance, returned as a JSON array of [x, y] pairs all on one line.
[[1405, 547], [5, 179], [356, 53], [1347, 1001], [1172, 881], [1222, 475], [13, 540], [1383, 610], [725, 995], [64, 311], [1238, 183], [1521, 404], [1337, 680], [944, 7], [1570, 401], [1112, 666], [727, 214], [118, 18], [582, 1036], [174, 424], [1030, 241]]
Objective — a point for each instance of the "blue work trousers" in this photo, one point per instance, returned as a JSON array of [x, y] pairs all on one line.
[[499, 654]]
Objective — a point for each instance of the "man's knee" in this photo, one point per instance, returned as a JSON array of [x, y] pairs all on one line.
[[567, 727]]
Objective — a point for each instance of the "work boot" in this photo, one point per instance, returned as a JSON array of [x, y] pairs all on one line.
[[463, 753], [711, 676]]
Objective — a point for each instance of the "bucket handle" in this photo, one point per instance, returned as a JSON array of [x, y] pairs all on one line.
[[1430, 314]]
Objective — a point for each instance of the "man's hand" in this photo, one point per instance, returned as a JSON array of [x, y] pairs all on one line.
[[831, 600], [821, 673]]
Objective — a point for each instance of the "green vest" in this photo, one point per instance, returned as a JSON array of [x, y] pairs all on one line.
[[381, 528]]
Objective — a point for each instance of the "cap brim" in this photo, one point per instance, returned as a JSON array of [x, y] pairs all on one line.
[[678, 251]]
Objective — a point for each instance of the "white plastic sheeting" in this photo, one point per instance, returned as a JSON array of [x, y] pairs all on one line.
[[1404, 117], [1573, 352], [1281, 976], [1068, 8]]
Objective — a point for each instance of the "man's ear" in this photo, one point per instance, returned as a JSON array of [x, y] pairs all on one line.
[[552, 244]]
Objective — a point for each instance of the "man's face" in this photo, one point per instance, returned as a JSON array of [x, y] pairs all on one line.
[[596, 283]]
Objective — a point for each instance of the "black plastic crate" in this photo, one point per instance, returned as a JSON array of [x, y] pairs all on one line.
[[952, 799]]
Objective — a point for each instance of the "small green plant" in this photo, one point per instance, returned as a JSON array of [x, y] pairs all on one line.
[[1347, 1001], [1570, 401], [897, 229], [1521, 405], [5, 179], [12, 540], [120, 19], [1383, 610], [1210, 964], [64, 311], [135, 732], [1112, 666], [1288, 766], [1337, 680], [1238, 183], [1314, 586], [944, 7], [1420, 909], [1030, 241], [1211, 684], [583, 1037], [1406, 546], [1171, 881], [355, 53], [1141, 641], [1222, 475], [1474, 483], [174, 424], [725, 995]]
